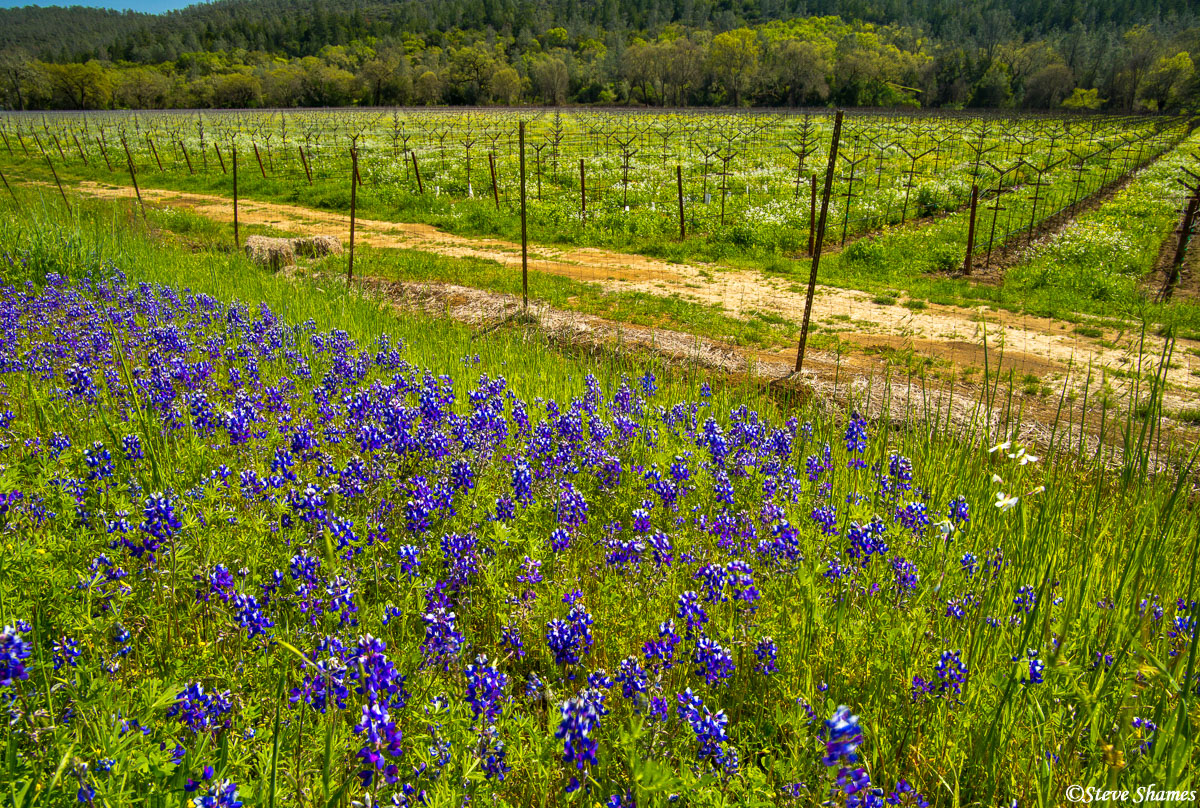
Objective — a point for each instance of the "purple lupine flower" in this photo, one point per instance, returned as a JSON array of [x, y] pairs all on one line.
[[1036, 669], [708, 727], [713, 662], [220, 795], [13, 653], [856, 440], [581, 716], [570, 639], [485, 689], [691, 611], [845, 737], [200, 711], [766, 651]]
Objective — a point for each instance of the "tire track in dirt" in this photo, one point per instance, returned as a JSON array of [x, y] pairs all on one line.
[[1041, 347]]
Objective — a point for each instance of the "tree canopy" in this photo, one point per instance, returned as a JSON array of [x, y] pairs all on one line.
[[1119, 55]]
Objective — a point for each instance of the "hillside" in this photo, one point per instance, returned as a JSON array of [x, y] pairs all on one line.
[[55, 32], [1123, 55], [301, 29]]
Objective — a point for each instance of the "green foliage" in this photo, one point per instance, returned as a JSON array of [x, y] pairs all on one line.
[[1082, 99], [274, 53]]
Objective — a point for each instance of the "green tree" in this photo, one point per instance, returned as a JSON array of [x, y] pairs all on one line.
[[733, 62], [1081, 99], [142, 88], [428, 88], [994, 89], [1167, 81], [551, 79], [1049, 87], [387, 78], [644, 65], [470, 74], [1140, 47], [22, 80], [80, 86], [323, 85], [237, 91], [684, 71], [506, 85], [798, 70], [555, 38]]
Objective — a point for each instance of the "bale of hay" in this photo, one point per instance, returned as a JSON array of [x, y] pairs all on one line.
[[317, 246], [275, 253]]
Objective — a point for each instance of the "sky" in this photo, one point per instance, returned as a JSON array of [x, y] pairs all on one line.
[[149, 6]]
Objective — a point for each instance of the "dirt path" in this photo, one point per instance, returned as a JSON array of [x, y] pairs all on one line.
[[834, 382], [1037, 347]]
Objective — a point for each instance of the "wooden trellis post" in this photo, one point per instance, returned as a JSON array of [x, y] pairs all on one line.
[[816, 259], [1186, 228], [237, 242], [186, 157], [812, 212], [971, 230], [133, 177], [495, 186], [582, 192], [10, 190], [104, 152], [154, 151], [353, 208], [82, 154], [304, 163], [417, 173], [524, 236], [258, 157], [679, 194]]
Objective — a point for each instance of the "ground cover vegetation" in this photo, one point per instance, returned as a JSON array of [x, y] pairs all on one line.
[[267, 542]]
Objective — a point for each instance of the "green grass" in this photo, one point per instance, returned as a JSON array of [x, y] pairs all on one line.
[[1089, 544], [1190, 415]]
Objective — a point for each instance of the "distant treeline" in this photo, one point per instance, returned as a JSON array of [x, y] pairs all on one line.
[[1118, 55]]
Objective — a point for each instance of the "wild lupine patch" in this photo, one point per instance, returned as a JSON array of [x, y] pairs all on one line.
[[252, 531]]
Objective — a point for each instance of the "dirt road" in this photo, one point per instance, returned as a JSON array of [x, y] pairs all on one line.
[[1032, 347]]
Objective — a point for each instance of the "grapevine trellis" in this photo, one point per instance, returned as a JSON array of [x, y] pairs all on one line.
[[742, 179]]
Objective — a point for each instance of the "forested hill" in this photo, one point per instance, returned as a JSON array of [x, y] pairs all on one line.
[[295, 28], [55, 32], [1035, 53]]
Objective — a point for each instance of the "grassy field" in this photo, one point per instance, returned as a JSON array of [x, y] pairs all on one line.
[[271, 540], [610, 179]]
